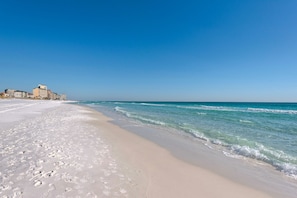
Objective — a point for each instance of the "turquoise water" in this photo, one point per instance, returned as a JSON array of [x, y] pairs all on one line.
[[262, 131]]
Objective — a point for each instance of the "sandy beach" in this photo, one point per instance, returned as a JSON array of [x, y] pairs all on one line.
[[53, 149], [164, 175], [48, 150]]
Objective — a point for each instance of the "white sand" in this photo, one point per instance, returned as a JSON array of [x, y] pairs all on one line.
[[48, 150]]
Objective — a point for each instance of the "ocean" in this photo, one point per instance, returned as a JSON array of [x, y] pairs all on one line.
[[266, 132]]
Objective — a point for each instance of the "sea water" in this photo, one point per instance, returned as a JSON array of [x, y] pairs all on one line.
[[266, 132]]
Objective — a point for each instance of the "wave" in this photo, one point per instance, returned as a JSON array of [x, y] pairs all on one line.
[[194, 133], [287, 168], [131, 115], [276, 111], [245, 121], [153, 104], [149, 120], [238, 109], [277, 159], [209, 108], [218, 142], [249, 152], [232, 155], [118, 103], [121, 110]]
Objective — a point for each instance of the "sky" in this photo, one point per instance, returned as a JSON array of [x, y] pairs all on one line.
[[200, 50]]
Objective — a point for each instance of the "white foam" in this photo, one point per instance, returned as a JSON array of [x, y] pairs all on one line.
[[217, 142], [245, 121], [232, 155], [149, 120], [235, 109], [276, 111], [130, 115], [289, 169], [209, 108], [194, 132], [153, 104], [249, 152]]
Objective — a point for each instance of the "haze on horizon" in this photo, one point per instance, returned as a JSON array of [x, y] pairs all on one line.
[[153, 50]]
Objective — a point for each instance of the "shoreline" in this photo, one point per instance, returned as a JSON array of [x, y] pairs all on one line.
[[162, 173], [54, 148], [245, 171]]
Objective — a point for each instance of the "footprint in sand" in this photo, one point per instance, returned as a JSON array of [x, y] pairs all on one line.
[[22, 152], [69, 179], [68, 189], [17, 192], [37, 183], [38, 172], [4, 187], [51, 187], [52, 154], [49, 174], [59, 163], [91, 195], [40, 161], [123, 191]]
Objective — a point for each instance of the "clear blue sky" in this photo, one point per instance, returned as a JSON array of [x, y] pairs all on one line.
[[219, 50]]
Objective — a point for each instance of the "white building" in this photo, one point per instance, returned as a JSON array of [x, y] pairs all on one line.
[[30, 95], [40, 92], [62, 97], [10, 92], [20, 94]]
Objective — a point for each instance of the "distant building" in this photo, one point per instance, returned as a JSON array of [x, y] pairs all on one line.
[[62, 97], [57, 96], [42, 86], [40, 92], [3, 95], [9, 92], [20, 94], [30, 95], [50, 95]]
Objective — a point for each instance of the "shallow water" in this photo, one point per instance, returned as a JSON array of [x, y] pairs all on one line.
[[263, 131]]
